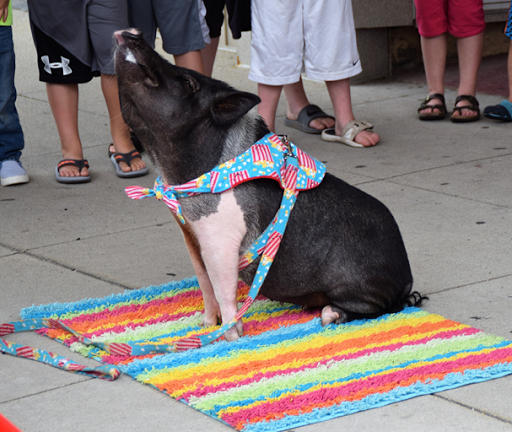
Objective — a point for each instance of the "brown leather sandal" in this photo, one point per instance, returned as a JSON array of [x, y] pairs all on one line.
[[473, 106], [439, 115]]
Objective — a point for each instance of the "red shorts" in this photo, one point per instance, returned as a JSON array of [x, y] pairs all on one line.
[[460, 18]]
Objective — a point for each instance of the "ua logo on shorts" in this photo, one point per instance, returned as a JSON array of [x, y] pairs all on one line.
[[64, 64]]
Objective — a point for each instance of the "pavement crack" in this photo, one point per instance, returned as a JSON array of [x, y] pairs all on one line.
[[46, 391], [493, 416], [472, 283]]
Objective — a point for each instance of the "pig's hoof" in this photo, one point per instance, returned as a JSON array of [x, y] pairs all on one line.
[[210, 321], [239, 328], [332, 314], [232, 334]]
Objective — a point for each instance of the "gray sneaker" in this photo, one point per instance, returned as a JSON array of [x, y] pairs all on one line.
[[11, 173]]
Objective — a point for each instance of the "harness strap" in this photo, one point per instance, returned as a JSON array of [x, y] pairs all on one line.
[[105, 372]]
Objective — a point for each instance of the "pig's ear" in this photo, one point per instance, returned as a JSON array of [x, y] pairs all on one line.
[[230, 107]]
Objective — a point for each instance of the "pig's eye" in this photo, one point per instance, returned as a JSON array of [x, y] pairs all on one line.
[[191, 85]]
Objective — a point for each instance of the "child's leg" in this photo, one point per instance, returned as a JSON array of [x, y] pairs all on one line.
[[118, 128], [191, 60], [339, 91], [63, 100], [209, 53], [470, 54], [296, 100], [269, 96], [434, 58]]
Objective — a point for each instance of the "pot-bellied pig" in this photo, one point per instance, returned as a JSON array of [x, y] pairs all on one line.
[[342, 249]]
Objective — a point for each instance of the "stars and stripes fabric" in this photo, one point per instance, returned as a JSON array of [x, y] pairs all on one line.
[[265, 159], [106, 372]]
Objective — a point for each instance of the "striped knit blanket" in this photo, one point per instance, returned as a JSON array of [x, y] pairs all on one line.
[[287, 370]]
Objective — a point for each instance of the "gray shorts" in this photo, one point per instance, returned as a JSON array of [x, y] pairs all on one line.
[[82, 28], [177, 20]]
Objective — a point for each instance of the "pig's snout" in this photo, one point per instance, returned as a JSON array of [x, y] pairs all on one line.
[[122, 35]]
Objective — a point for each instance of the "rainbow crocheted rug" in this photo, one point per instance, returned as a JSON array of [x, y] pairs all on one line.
[[287, 370]]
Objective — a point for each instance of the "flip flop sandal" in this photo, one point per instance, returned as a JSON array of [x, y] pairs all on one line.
[[502, 111], [440, 115], [80, 164], [308, 113], [348, 134], [474, 106], [127, 158]]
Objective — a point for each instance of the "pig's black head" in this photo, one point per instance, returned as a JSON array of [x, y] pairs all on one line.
[[181, 117]]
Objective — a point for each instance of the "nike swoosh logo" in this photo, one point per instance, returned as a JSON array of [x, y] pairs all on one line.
[[354, 63]]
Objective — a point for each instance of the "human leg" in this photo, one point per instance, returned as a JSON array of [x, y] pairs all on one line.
[[181, 28], [503, 111], [63, 99], [269, 95], [434, 51], [11, 134], [141, 16], [214, 19], [104, 17], [190, 60], [118, 128], [276, 52], [209, 53], [466, 22], [339, 91], [470, 55]]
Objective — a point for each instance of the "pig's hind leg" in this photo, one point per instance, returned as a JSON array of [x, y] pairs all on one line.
[[380, 302], [333, 314]]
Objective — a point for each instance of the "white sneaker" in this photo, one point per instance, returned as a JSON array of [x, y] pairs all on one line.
[[11, 172]]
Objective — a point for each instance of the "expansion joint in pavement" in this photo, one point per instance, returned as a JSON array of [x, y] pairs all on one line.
[[501, 419]]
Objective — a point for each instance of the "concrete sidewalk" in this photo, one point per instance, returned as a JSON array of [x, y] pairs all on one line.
[[449, 186]]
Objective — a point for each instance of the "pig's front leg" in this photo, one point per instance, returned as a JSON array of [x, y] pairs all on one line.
[[212, 314], [220, 235]]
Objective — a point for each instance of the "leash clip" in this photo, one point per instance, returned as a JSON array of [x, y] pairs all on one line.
[[286, 142]]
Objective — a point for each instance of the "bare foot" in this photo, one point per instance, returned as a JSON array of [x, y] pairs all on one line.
[[367, 138]]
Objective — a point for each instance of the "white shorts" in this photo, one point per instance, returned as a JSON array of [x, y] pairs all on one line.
[[293, 36]]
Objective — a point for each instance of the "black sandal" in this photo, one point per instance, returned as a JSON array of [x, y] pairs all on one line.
[[441, 114], [80, 164], [474, 106], [126, 158]]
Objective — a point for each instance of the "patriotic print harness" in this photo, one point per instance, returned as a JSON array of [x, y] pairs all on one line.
[[271, 158]]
